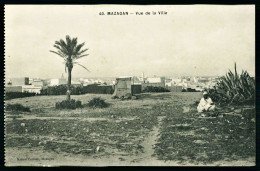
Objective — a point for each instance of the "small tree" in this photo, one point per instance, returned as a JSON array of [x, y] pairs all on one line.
[[70, 51]]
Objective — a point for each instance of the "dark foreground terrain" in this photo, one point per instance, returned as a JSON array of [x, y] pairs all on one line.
[[156, 129]]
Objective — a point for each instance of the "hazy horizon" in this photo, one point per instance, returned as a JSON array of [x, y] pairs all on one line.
[[45, 78], [191, 40]]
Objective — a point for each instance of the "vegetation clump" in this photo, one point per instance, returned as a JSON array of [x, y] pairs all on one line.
[[68, 104], [98, 102], [234, 89], [61, 90], [17, 107]]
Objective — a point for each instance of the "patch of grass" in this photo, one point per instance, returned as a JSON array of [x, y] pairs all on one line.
[[183, 136], [124, 130], [17, 107], [68, 104], [76, 136], [14, 95], [192, 139], [97, 102]]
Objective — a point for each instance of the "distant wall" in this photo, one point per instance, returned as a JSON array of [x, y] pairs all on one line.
[[136, 89], [191, 90], [98, 89]]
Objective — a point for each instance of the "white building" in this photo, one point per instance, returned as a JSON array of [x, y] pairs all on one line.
[[76, 83], [176, 80], [154, 80], [58, 81], [113, 83], [168, 84], [37, 83], [31, 89]]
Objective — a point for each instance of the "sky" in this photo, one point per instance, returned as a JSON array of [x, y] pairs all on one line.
[[191, 40]]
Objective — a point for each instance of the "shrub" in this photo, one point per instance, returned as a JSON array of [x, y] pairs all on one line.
[[17, 107], [14, 95], [234, 89], [68, 104], [97, 102], [155, 89], [77, 90], [127, 96], [61, 90], [114, 97]]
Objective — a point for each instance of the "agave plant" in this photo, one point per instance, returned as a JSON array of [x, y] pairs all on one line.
[[233, 88]]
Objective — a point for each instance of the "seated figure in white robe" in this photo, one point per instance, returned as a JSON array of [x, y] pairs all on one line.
[[206, 104]]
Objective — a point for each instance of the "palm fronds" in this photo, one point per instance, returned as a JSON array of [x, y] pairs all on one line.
[[83, 67], [69, 50]]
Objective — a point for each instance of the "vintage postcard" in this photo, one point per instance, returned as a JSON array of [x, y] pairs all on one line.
[[130, 85]]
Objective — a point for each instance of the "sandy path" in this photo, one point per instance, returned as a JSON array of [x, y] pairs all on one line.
[[31, 117], [150, 141]]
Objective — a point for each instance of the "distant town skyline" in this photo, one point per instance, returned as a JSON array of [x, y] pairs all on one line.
[[148, 76], [195, 40]]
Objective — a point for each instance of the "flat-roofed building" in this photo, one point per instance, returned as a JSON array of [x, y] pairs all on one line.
[[154, 82], [37, 83], [20, 81], [76, 83], [57, 81], [31, 89]]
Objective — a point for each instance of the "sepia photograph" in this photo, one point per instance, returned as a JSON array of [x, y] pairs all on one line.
[[130, 85]]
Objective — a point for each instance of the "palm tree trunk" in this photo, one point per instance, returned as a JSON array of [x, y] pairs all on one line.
[[69, 83]]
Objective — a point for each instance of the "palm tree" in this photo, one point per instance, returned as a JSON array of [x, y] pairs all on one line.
[[70, 51]]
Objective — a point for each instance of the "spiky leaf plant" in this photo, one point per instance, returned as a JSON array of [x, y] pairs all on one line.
[[234, 88]]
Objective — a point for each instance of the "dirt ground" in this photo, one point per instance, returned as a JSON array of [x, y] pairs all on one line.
[[158, 129]]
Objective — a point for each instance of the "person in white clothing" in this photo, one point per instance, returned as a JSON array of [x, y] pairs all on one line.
[[206, 104]]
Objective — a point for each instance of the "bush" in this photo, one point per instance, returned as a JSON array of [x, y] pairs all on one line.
[[17, 107], [114, 97], [77, 90], [61, 90], [68, 104], [14, 95], [97, 102], [155, 89], [234, 89]]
